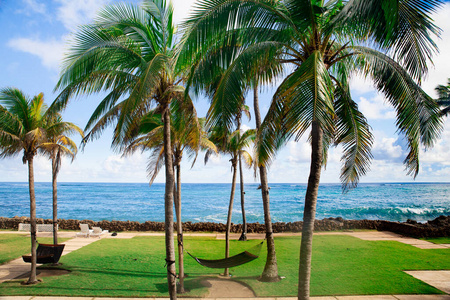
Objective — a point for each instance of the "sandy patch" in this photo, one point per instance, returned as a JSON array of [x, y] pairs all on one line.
[[226, 288]]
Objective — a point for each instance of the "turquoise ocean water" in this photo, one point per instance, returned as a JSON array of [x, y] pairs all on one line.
[[209, 202]]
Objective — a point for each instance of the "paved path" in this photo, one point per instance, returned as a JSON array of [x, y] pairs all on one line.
[[438, 279]]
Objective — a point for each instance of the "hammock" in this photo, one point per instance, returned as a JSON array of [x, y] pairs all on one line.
[[233, 261]]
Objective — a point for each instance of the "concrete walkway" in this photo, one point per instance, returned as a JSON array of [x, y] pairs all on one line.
[[438, 279]]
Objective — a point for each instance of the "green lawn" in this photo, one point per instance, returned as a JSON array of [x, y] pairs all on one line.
[[440, 240], [342, 265], [13, 245]]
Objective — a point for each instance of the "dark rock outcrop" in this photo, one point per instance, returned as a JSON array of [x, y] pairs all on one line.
[[438, 227]]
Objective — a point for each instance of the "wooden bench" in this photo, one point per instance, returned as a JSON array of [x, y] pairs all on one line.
[[46, 253], [39, 227]]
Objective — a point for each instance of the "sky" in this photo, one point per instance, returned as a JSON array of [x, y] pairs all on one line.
[[34, 36]]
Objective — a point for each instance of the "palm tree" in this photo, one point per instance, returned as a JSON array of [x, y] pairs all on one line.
[[245, 109], [22, 130], [233, 144], [320, 46], [130, 52], [444, 97], [58, 144], [188, 137], [270, 272]]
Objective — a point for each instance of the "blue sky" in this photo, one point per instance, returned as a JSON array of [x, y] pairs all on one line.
[[33, 39]]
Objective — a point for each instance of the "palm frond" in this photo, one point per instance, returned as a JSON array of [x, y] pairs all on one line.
[[248, 159], [417, 114], [155, 163], [228, 95], [304, 96], [404, 27], [353, 132]]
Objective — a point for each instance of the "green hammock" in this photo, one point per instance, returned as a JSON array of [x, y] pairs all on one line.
[[233, 261]]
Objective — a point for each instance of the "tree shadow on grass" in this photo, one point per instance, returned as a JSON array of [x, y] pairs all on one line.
[[41, 289], [120, 272]]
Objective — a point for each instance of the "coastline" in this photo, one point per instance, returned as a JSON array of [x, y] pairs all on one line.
[[439, 227]]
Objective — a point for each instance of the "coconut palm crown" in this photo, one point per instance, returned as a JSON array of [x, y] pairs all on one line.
[[320, 45]]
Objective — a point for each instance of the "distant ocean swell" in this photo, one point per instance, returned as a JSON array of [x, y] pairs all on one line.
[[209, 202]]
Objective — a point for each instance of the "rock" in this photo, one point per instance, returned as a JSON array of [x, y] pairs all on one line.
[[435, 228]]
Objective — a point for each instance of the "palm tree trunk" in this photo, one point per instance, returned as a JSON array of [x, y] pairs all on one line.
[[55, 198], [310, 212], [179, 227], [168, 206], [270, 272], [243, 236], [230, 211], [32, 278]]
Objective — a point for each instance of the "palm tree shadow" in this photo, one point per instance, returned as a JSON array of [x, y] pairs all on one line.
[[121, 272], [82, 291]]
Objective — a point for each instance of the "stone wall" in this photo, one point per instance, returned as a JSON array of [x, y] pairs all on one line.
[[435, 228]]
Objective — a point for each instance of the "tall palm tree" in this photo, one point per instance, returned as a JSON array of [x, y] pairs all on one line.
[[188, 137], [129, 51], [320, 45], [22, 131], [444, 97], [245, 109], [58, 144], [270, 272], [233, 144]]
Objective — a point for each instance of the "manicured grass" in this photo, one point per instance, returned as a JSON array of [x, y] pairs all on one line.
[[13, 245], [342, 265], [440, 240]]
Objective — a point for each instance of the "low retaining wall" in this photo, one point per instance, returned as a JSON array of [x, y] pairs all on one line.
[[436, 228]]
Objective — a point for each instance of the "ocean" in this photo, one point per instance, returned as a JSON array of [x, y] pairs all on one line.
[[209, 202]]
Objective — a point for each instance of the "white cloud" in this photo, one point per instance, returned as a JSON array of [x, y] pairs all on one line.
[[73, 13], [245, 127], [299, 151], [386, 171], [440, 153], [182, 10], [33, 6], [386, 148], [50, 52], [361, 85], [440, 72], [375, 108]]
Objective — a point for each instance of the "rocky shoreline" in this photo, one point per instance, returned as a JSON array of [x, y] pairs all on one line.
[[439, 227]]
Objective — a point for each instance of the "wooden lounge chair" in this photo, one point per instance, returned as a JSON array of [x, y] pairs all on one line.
[[46, 254]]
